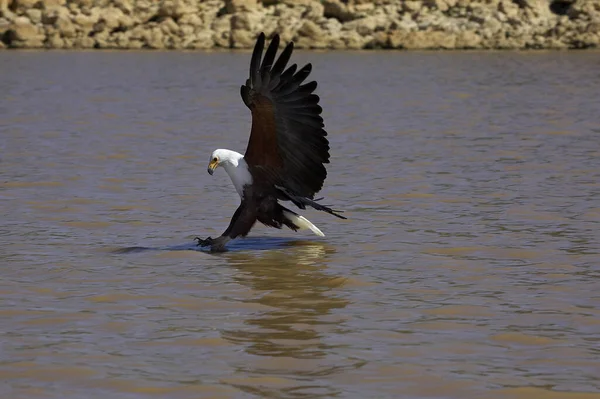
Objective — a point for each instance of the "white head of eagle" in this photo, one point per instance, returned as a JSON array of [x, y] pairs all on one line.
[[235, 166], [286, 152]]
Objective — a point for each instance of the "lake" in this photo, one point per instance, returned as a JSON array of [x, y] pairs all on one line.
[[468, 266]]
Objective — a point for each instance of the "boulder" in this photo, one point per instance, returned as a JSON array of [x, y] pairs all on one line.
[[380, 40], [411, 6], [234, 6], [204, 40], [65, 26], [242, 39], [34, 15], [176, 9], [21, 6], [313, 10], [248, 21], [442, 5], [310, 30], [5, 25], [55, 41], [421, 40], [353, 40], [336, 9], [84, 42], [368, 25], [86, 23], [24, 34], [467, 39], [155, 39], [310, 35]]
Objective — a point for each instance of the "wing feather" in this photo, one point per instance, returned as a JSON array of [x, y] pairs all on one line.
[[287, 141], [255, 61], [283, 59]]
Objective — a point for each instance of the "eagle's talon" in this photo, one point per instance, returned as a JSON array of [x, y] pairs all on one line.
[[204, 243]]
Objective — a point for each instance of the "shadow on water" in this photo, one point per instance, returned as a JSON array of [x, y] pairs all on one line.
[[289, 341], [244, 244]]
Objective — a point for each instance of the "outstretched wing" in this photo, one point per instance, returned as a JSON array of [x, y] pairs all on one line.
[[287, 140]]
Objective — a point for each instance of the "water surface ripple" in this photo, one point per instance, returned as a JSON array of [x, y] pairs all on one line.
[[468, 267]]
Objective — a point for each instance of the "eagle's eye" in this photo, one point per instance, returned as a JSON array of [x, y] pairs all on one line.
[[215, 159]]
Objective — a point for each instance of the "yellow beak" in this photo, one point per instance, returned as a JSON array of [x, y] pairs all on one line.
[[212, 166]]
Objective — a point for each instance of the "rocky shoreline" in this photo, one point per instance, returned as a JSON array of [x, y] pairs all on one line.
[[316, 24]]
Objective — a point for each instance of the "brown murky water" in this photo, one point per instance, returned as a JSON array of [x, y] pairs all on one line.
[[469, 266]]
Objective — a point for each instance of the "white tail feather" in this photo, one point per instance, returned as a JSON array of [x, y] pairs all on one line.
[[303, 223]]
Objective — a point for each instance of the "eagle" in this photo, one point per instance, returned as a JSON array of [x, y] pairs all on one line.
[[286, 152]]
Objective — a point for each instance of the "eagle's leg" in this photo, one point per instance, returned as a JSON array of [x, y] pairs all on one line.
[[242, 221], [216, 244]]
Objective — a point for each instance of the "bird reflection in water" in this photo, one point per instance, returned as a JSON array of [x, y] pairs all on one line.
[[289, 341], [293, 282]]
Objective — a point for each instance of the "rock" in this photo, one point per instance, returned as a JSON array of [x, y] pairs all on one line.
[[332, 27], [313, 10], [191, 19], [335, 24], [353, 40], [221, 40], [155, 39], [242, 39], [88, 3], [248, 21], [34, 15], [186, 31], [368, 25], [204, 40], [380, 40], [362, 10], [412, 7], [468, 39], [135, 44], [169, 27], [111, 19], [222, 24], [24, 34], [5, 25], [121, 39], [65, 26], [269, 26], [101, 38], [234, 6], [422, 40], [84, 42], [442, 5], [55, 41], [336, 9], [51, 15], [21, 6], [310, 35], [509, 8], [176, 8], [86, 22], [310, 30]]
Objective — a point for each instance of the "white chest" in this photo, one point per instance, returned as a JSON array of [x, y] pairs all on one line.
[[240, 175]]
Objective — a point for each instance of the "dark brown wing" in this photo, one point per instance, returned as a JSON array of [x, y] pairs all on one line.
[[287, 140]]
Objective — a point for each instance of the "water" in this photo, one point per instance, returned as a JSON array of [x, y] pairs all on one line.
[[468, 267]]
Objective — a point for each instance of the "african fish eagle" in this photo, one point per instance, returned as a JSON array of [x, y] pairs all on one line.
[[286, 151]]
